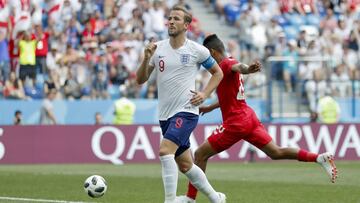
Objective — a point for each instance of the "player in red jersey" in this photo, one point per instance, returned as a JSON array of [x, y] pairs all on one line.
[[240, 121]]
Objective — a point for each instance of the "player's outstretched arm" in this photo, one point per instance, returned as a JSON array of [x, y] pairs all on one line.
[[247, 69], [207, 108], [144, 71]]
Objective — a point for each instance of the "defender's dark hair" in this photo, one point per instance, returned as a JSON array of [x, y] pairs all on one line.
[[213, 42], [187, 14]]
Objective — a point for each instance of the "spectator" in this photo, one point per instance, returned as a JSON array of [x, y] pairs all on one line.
[[41, 49], [315, 89], [286, 6], [255, 84], [125, 9], [119, 74], [102, 65], [350, 58], [342, 31], [329, 22], [290, 68], [273, 30], [124, 110], [151, 92], [305, 7], [258, 36], [233, 49], [88, 35], [27, 57], [4, 56], [157, 14], [99, 86], [18, 118], [66, 11], [328, 110], [244, 24], [47, 115], [52, 83], [302, 41], [131, 87], [130, 56], [72, 89], [98, 118], [73, 33], [53, 58], [14, 88], [340, 81]]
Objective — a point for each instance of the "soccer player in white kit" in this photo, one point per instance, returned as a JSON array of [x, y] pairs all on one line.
[[175, 62]]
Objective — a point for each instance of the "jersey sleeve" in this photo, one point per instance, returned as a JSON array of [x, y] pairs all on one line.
[[204, 57]]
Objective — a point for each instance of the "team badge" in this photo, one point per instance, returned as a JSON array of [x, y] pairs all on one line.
[[184, 58]]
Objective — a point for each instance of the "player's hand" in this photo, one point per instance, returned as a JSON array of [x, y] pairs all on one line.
[[204, 109], [255, 67], [149, 50], [197, 98]]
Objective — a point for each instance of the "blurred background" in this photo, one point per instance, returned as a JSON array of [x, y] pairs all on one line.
[[76, 58], [70, 106]]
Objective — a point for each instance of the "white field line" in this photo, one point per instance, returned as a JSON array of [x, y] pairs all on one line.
[[37, 200]]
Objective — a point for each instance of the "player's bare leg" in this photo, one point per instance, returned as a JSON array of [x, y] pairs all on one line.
[[202, 154], [198, 178], [326, 160], [275, 152]]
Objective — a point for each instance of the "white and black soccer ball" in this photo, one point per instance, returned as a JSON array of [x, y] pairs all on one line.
[[95, 186]]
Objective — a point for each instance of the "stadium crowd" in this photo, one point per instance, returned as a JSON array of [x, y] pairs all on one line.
[[315, 42], [90, 49], [83, 49]]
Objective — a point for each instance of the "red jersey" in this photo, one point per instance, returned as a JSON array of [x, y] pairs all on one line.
[[42, 45], [3, 3], [25, 5], [231, 95]]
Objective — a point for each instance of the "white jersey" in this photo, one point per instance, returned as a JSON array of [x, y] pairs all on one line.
[[176, 70]]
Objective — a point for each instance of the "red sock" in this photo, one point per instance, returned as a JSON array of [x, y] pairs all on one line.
[[192, 191], [307, 156]]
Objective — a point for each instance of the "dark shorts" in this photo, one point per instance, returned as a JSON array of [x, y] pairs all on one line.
[[178, 129], [27, 71]]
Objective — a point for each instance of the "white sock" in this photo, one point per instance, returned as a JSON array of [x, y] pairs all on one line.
[[198, 178], [169, 176]]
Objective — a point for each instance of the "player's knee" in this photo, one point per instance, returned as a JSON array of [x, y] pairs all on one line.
[[164, 151], [184, 166], [200, 156]]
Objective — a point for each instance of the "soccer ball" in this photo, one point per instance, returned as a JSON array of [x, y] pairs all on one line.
[[95, 186]]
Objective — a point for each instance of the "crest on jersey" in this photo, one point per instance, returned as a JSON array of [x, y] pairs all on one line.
[[184, 58]]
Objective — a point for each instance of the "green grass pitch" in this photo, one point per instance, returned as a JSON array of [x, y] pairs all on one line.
[[271, 182]]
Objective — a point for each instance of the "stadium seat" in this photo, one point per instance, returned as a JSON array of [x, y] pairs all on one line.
[[282, 21], [312, 20], [34, 92], [232, 13], [114, 91], [291, 32], [297, 20], [243, 2]]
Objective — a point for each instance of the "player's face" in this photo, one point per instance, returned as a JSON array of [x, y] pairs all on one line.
[[177, 24]]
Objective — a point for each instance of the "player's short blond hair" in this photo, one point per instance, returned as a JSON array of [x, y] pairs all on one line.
[[187, 14]]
